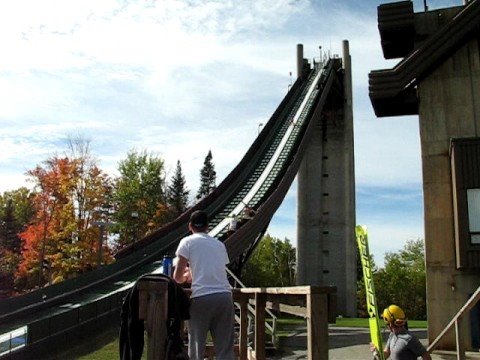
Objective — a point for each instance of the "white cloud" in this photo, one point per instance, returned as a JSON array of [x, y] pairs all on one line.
[[181, 78]]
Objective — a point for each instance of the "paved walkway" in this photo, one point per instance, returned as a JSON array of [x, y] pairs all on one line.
[[347, 344]]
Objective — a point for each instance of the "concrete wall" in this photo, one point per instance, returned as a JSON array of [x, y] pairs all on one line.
[[326, 247], [449, 107]]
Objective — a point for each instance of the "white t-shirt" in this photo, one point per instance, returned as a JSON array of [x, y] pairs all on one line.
[[207, 257]]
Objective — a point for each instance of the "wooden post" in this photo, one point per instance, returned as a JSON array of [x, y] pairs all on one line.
[[153, 307], [260, 303], [243, 338], [316, 312], [317, 326]]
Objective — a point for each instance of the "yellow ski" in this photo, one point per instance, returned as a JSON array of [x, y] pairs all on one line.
[[374, 323]]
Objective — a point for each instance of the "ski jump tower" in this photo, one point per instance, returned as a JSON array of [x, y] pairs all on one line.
[[326, 252]]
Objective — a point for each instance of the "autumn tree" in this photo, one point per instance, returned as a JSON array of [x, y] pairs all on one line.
[[93, 204], [54, 214], [89, 184], [61, 241], [139, 196], [177, 192], [272, 263], [208, 177]]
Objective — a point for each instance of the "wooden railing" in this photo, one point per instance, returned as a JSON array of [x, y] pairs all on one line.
[[318, 300], [272, 328]]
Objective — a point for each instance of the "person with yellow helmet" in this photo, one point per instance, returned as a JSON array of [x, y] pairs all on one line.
[[401, 344]]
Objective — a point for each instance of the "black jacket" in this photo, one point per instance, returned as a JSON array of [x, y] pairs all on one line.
[[132, 328]]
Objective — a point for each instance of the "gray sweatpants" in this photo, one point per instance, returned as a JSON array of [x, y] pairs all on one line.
[[212, 312]]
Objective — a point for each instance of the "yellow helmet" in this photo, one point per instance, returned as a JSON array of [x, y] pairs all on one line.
[[394, 315]]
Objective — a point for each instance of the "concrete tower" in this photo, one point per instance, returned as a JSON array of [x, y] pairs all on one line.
[[326, 200]]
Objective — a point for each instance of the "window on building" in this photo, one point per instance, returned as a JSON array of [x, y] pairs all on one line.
[[465, 167], [473, 200]]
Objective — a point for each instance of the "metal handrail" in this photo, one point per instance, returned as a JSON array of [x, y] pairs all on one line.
[[272, 328], [455, 321]]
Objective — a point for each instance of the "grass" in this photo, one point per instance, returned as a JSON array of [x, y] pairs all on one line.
[[107, 352], [108, 348], [102, 346], [363, 323], [345, 322]]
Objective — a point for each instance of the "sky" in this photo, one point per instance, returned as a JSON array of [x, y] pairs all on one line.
[[180, 78]]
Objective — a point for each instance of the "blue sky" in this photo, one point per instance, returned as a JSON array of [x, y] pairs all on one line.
[[179, 78]]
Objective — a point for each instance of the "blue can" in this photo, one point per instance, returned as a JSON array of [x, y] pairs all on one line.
[[167, 265]]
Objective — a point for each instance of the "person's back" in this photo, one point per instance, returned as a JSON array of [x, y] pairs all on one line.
[[404, 346], [202, 258], [207, 258]]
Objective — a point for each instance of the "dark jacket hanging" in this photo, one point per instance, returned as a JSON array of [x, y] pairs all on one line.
[[132, 328]]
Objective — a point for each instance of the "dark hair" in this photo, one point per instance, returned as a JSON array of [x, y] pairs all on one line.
[[199, 219]]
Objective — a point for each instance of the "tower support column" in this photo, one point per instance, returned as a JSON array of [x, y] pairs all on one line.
[[326, 201]]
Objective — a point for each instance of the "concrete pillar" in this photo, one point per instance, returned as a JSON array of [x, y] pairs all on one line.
[[310, 258], [326, 203], [449, 107], [299, 60], [349, 187]]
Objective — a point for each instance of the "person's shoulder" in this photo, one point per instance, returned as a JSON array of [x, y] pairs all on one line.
[[186, 239], [407, 336]]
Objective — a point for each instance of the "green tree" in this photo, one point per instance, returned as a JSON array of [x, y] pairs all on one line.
[[272, 263], [9, 228], [402, 281], [404, 278], [139, 196], [17, 206], [177, 192], [361, 296], [16, 211], [208, 177]]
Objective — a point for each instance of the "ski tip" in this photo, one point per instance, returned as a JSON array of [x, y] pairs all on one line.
[[361, 230]]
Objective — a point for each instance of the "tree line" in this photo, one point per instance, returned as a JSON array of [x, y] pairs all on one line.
[[76, 216], [401, 281]]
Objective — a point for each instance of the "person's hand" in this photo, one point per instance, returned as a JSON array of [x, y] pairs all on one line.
[[374, 350]]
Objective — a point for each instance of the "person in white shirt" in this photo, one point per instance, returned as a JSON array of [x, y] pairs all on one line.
[[202, 258]]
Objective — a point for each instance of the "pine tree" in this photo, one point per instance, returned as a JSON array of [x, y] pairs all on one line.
[[177, 192], [208, 177]]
